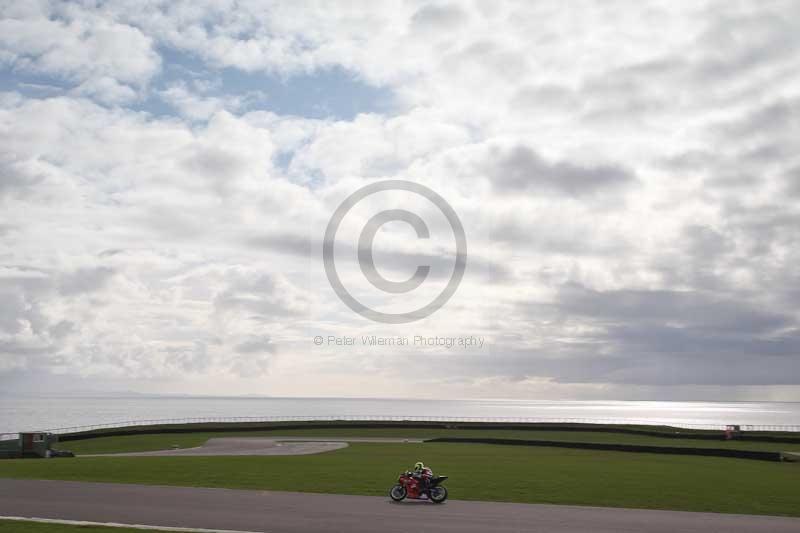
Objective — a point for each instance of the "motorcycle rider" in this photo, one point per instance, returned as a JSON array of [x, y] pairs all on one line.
[[423, 475]]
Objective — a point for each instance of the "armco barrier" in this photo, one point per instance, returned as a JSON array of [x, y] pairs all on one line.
[[672, 450]]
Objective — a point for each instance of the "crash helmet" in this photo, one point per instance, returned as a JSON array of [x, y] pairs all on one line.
[[418, 466]]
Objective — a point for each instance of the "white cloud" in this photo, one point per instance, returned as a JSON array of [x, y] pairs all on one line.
[[106, 59], [106, 90], [624, 177]]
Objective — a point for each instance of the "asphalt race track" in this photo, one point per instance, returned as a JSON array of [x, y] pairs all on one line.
[[242, 446], [279, 512], [257, 446]]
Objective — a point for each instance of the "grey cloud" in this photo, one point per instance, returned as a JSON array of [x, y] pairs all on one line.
[[689, 369], [730, 171], [699, 341], [671, 337], [176, 223], [763, 228], [777, 118], [192, 357], [288, 243], [24, 327], [735, 54], [62, 329], [750, 40], [26, 293], [261, 295], [705, 242], [398, 261], [11, 312], [756, 150], [522, 169], [215, 164], [493, 58], [703, 259], [25, 277], [750, 176], [751, 150], [526, 234], [653, 338], [792, 181], [680, 308], [650, 350], [17, 176], [85, 280], [252, 345], [14, 347], [626, 92], [689, 160], [735, 181], [438, 17], [545, 97], [248, 365], [768, 153]]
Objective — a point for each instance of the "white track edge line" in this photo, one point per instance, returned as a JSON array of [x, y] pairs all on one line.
[[118, 525]]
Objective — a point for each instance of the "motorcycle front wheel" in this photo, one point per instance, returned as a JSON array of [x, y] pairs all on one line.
[[398, 493], [438, 494]]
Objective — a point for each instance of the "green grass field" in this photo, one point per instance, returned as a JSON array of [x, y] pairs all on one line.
[[17, 526], [478, 472], [139, 443]]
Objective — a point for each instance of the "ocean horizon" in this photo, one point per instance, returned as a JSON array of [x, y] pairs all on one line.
[[58, 411]]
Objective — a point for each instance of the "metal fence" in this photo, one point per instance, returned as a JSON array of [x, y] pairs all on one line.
[[395, 418]]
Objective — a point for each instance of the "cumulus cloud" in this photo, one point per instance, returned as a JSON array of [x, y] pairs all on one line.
[[104, 58], [627, 180]]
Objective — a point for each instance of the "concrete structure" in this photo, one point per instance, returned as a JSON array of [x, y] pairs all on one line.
[[28, 444]]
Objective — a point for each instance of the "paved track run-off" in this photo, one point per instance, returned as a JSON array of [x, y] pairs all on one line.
[[231, 446], [277, 445], [288, 512]]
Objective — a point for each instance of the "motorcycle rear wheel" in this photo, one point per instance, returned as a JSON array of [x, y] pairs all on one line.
[[398, 493], [438, 494]]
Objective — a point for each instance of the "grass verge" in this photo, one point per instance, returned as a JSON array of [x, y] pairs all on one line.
[[18, 526]]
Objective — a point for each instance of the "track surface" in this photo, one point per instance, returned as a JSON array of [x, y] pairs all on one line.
[[276, 445], [287, 512], [242, 446]]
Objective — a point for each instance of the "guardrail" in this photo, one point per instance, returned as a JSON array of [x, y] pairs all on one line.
[[397, 418]]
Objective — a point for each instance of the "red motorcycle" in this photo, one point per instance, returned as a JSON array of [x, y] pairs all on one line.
[[409, 486]]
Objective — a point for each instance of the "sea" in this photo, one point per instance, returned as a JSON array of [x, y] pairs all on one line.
[[60, 412]]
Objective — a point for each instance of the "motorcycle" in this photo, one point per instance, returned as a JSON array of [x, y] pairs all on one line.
[[411, 487]]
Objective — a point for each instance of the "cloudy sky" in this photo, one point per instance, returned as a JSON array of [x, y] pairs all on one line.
[[627, 175]]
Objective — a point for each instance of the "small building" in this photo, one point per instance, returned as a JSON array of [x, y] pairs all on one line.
[[28, 444], [732, 431], [9, 446]]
